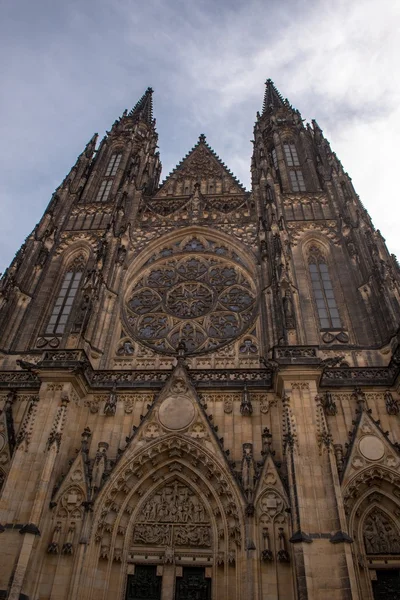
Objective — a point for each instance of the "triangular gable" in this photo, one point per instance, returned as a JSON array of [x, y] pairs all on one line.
[[75, 483], [199, 165], [177, 410], [270, 489], [173, 453], [369, 447]]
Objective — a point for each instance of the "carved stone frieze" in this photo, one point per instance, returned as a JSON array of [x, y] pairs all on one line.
[[54, 387], [92, 209], [297, 352], [300, 385], [25, 379], [359, 376]]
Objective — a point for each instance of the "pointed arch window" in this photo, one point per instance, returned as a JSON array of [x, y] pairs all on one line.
[[292, 158], [274, 158], [65, 299], [297, 181], [324, 296], [296, 177], [107, 181]]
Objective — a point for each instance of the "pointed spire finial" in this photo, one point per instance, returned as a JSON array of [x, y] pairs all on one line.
[[143, 109], [272, 98], [202, 138]]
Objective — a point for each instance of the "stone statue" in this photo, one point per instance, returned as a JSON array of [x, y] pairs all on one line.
[[83, 314], [288, 310], [111, 404]]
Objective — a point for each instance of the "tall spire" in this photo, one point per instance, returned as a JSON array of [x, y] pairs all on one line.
[[272, 98], [143, 109]]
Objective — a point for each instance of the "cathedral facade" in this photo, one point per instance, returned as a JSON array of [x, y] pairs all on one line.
[[199, 391]]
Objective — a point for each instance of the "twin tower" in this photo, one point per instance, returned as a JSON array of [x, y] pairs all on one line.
[[199, 384]]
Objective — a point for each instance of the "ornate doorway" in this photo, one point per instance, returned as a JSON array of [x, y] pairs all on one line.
[[193, 585], [144, 584]]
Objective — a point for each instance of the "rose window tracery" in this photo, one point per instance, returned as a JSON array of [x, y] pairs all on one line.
[[205, 301]]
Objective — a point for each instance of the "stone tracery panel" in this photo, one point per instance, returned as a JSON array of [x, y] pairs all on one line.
[[205, 301]]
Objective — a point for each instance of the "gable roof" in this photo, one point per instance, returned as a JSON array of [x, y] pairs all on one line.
[[202, 161]]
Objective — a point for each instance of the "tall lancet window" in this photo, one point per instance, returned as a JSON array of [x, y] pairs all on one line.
[[108, 179], [324, 296], [65, 299], [295, 173]]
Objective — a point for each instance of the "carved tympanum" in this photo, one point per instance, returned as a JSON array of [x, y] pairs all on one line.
[[173, 515], [381, 536]]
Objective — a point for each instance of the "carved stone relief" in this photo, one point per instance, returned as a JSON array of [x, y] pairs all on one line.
[[381, 536], [263, 400], [173, 515]]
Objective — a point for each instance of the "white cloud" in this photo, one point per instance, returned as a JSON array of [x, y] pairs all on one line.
[[74, 67]]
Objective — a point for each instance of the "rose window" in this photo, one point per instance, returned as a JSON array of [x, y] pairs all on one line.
[[201, 300]]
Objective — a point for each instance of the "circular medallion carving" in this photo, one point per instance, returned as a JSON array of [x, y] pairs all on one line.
[[372, 447], [176, 412], [205, 301]]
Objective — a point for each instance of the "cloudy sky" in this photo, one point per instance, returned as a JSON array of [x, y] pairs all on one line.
[[70, 68]]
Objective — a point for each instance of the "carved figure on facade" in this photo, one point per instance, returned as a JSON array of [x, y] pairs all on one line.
[[83, 313], [288, 310], [125, 348], [246, 407], [248, 347], [54, 545], [68, 547], [392, 405], [248, 470], [282, 554], [121, 254], [110, 406]]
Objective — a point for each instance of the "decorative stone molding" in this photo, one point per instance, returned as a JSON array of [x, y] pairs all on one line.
[[300, 385]]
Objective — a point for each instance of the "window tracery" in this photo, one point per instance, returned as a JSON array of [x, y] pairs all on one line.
[[196, 244], [66, 297], [107, 181], [206, 301], [323, 290]]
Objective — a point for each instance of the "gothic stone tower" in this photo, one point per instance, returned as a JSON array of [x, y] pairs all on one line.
[[199, 384]]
